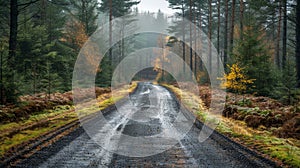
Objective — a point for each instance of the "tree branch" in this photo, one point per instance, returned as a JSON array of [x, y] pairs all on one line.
[[28, 3], [25, 5]]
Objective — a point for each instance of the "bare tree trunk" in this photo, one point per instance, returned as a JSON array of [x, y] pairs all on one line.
[[226, 34], [195, 43], [183, 37], [43, 12], [34, 76], [284, 38], [241, 19], [12, 49], [191, 35], [298, 40], [279, 36], [110, 30], [210, 36], [13, 31], [1, 72], [200, 37], [49, 79], [232, 25], [218, 34]]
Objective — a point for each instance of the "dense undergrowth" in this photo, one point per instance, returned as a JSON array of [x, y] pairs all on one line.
[[36, 104]]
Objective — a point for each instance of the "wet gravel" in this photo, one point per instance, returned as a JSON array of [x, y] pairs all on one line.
[[78, 149]]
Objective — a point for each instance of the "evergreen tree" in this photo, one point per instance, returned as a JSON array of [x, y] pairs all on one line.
[[180, 27], [86, 12], [252, 54], [288, 91], [34, 57], [115, 9], [119, 7]]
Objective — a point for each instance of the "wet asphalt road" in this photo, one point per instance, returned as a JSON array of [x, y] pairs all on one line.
[[152, 112]]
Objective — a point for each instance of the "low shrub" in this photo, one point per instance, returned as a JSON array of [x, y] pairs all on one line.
[[254, 121], [290, 129]]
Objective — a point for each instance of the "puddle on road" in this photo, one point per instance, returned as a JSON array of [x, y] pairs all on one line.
[[149, 117]]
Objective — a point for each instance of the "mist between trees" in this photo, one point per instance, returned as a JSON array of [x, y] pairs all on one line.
[[40, 41]]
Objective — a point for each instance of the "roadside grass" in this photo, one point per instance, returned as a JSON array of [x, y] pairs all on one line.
[[45, 114], [14, 134], [284, 151]]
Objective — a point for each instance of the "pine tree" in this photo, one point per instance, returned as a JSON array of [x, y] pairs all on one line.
[[34, 58], [252, 54], [119, 7], [181, 26], [288, 83], [115, 9], [85, 12]]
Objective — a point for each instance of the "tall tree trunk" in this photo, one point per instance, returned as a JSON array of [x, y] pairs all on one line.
[[34, 76], [298, 40], [110, 30], [43, 12], [284, 38], [49, 79], [210, 36], [200, 37], [226, 34], [13, 32], [12, 49], [122, 49], [241, 19], [1, 71], [195, 43], [50, 22], [191, 35], [219, 25], [218, 34], [279, 36], [232, 25], [183, 37]]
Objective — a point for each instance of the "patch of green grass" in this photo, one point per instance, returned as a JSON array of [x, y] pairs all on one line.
[[281, 149], [201, 115], [38, 117], [27, 135], [264, 142], [108, 102]]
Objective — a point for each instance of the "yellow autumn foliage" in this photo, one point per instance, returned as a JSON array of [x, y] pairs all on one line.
[[236, 79], [161, 54]]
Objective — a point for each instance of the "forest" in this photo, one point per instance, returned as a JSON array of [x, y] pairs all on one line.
[[41, 39], [258, 44]]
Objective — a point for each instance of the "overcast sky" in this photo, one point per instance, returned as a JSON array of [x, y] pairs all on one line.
[[154, 5]]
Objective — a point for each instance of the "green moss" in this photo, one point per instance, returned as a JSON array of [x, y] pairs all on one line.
[[224, 128], [27, 135], [108, 102]]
